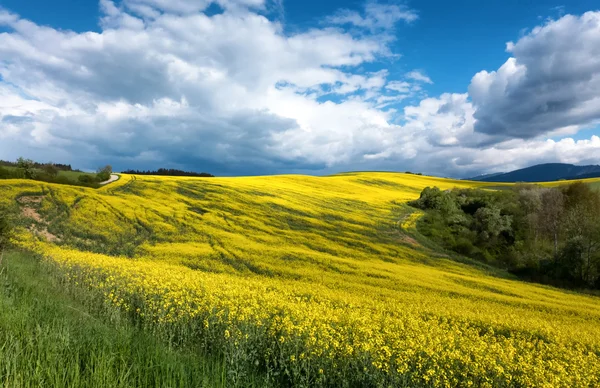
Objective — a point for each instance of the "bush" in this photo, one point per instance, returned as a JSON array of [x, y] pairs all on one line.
[[103, 173], [463, 246], [50, 169], [84, 178], [5, 173], [27, 166]]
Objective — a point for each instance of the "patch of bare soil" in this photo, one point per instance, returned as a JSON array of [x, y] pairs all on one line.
[[31, 199], [43, 232], [409, 240], [29, 212]]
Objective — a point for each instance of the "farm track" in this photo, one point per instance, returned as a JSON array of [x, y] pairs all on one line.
[[113, 178]]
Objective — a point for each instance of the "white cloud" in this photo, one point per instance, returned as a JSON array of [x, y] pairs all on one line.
[[152, 8], [164, 84], [399, 90], [229, 90], [551, 82], [399, 86], [418, 75], [444, 121], [376, 16]]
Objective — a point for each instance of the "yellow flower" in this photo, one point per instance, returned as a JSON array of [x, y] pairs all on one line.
[[319, 267]]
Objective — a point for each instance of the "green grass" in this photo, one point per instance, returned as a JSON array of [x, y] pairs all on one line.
[[63, 177], [49, 339], [595, 185], [71, 175], [74, 175]]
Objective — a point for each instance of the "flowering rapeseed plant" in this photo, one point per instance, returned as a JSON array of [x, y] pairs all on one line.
[[313, 278]]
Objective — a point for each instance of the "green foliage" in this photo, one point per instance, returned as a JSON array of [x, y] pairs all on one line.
[[27, 166], [84, 178], [435, 199], [545, 234], [50, 169], [103, 173], [50, 338], [5, 229], [489, 222], [49, 172], [5, 173]]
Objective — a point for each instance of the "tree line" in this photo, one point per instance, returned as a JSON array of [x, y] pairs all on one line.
[[168, 172], [38, 165], [51, 173], [549, 235]]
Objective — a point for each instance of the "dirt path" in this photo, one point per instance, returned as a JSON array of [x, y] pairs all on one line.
[[113, 177]]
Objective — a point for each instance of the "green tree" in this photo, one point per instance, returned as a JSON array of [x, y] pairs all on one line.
[[530, 204], [5, 173], [581, 255], [50, 170], [579, 193], [103, 173], [489, 222], [86, 178], [550, 215], [435, 199], [27, 167]]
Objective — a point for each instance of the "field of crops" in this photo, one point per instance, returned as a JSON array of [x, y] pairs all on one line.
[[317, 281]]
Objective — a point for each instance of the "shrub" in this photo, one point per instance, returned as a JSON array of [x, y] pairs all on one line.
[[85, 178], [463, 246], [27, 166], [50, 170], [103, 173], [5, 173]]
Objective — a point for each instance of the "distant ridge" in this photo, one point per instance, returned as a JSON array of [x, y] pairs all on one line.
[[484, 176], [543, 173]]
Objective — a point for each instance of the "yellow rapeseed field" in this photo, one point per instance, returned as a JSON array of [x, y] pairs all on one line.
[[318, 281]]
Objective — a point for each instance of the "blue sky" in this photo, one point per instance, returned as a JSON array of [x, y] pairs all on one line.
[[302, 87], [451, 40]]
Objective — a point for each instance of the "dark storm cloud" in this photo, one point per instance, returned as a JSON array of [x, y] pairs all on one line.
[[552, 81]]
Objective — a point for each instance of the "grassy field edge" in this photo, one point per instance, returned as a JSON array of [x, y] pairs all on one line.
[[48, 338]]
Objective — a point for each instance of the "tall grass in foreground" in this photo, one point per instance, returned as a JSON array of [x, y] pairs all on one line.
[[49, 339]]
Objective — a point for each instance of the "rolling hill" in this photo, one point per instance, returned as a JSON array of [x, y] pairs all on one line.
[[543, 173], [317, 281]]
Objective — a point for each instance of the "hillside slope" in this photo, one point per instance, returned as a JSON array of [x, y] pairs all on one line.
[[543, 173], [319, 278]]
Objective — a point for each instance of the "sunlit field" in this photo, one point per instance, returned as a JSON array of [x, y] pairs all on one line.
[[314, 281]]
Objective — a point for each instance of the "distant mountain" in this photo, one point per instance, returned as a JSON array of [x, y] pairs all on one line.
[[543, 173], [584, 176], [484, 176]]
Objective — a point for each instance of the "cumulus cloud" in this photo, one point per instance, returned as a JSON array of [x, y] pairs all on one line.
[[551, 82], [399, 86], [233, 92], [153, 8], [418, 75], [549, 88], [376, 16]]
